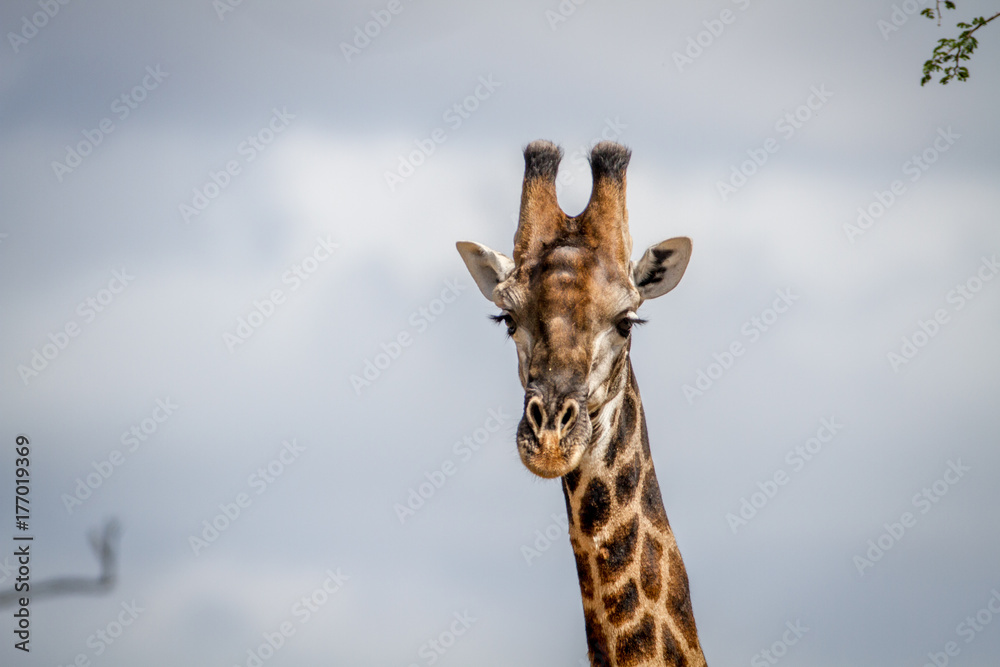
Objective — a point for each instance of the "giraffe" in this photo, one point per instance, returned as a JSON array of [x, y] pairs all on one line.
[[569, 299]]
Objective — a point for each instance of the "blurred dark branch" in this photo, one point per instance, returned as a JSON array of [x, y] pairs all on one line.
[[105, 545]]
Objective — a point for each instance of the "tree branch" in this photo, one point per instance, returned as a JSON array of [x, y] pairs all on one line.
[[104, 546], [953, 50]]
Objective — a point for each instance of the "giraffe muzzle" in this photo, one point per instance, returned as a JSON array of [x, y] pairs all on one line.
[[552, 435]]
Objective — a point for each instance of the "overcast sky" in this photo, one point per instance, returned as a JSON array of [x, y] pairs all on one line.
[[230, 296]]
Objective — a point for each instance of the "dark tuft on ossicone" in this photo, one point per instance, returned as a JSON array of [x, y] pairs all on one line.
[[541, 160], [609, 159]]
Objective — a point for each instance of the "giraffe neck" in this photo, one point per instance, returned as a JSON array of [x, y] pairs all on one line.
[[636, 602]]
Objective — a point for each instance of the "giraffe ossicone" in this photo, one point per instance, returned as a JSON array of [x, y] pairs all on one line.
[[569, 298]]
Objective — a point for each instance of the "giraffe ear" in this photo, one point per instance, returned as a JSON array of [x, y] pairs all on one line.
[[661, 267], [488, 267]]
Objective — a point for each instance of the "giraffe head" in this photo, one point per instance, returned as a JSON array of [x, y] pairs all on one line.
[[569, 299]]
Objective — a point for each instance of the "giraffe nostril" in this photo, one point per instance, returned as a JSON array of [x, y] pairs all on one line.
[[568, 418], [536, 415]]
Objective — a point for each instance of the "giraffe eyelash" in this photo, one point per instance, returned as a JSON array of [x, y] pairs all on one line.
[[505, 318], [625, 324], [633, 319]]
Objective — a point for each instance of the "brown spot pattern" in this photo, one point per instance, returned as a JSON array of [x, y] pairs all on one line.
[[617, 553], [595, 507], [597, 643], [612, 453], [569, 505], [672, 655], [644, 435], [626, 427], [679, 598], [583, 571], [572, 479], [652, 502], [649, 568], [627, 480], [639, 645], [622, 604]]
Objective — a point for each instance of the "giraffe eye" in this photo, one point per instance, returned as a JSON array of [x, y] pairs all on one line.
[[626, 323], [506, 319]]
